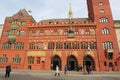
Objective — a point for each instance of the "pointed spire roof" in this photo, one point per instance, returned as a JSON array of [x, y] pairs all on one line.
[[22, 12], [70, 13]]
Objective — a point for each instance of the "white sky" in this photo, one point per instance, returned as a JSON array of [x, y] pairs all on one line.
[[47, 9]]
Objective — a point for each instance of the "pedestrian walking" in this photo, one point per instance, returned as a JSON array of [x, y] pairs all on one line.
[[91, 68], [84, 69], [57, 73], [8, 70], [80, 67], [66, 69], [88, 69]]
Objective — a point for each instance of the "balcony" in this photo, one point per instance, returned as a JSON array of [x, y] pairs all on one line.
[[109, 50], [12, 38]]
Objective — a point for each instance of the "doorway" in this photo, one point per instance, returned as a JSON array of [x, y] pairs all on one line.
[[72, 63], [54, 62], [88, 61]]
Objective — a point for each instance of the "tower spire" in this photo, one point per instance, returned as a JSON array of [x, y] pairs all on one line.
[[70, 31], [70, 13]]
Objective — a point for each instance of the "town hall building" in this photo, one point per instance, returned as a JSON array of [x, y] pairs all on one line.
[[70, 41]]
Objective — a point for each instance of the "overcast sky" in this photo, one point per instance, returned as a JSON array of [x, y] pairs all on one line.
[[47, 9]]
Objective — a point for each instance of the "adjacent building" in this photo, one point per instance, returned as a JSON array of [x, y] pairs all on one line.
[[117, 30], [70, 41], [1, 28]]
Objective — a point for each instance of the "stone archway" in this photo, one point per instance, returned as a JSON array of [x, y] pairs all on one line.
[[88, 61], [72, 63], [55, 61]]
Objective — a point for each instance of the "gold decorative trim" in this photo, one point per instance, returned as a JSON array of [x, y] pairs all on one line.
[[57, 53], [36, 53], [75, 53]]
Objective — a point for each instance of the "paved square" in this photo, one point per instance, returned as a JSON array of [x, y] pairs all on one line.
[[49, 75]]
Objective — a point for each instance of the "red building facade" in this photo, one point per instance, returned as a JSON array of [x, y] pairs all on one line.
[[69, 41]]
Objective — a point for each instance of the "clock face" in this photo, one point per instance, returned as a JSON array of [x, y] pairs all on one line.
[[71, 35]]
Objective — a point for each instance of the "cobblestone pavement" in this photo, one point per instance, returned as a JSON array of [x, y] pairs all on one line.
[[49, 75]]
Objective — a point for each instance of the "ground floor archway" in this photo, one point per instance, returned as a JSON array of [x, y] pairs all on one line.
[[55, 61], [88, 61], [72, 63]]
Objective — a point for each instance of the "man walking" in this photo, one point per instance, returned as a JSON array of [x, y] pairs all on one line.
[[8, 70]]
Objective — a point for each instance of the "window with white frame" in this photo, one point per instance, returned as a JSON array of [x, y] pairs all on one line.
[[103, 20], [16, 59], [100, 3], [3, 59], [107, 45], [105, 31], [22, 33], [102, 11]]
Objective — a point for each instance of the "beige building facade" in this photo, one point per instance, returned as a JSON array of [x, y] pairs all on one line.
[[1, 28], [117, 30]]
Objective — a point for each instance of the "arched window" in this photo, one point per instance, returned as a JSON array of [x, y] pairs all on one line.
[[16, 59], [103, 20], [6, 45], [107, 45], [105, 31], [3, 59], [19, 45]]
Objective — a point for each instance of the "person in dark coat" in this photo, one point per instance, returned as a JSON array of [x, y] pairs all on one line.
[[65, 69], [8, 70], [88, 69]]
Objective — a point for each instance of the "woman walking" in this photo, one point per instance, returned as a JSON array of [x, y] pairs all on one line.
[[57, 71]]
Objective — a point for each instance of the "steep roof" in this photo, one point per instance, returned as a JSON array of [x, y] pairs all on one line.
[[22, 12], [64, 20]]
